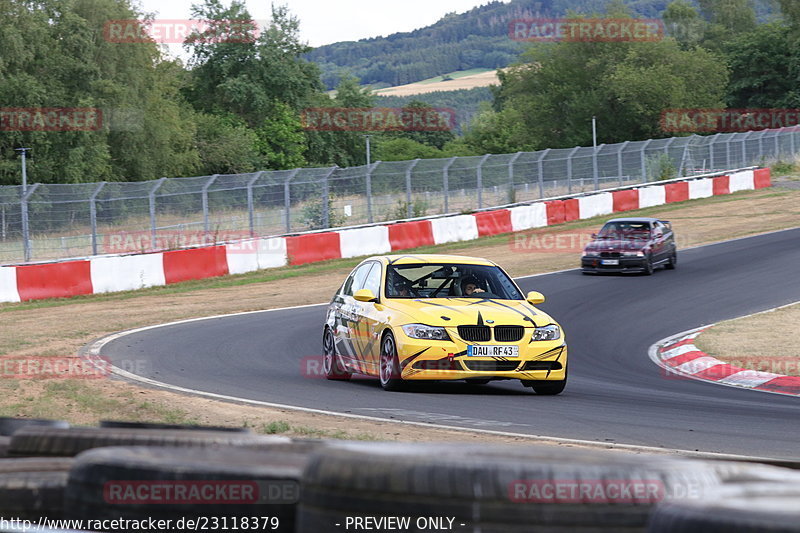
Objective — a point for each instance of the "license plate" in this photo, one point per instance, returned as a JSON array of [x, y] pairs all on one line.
[[492, 351], [609, 262]]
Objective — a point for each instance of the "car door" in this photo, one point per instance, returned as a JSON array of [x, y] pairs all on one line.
[[346, 316], [371, 319], [660, 252]]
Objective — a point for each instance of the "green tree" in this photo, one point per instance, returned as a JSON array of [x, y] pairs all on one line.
[[227, 145], [550, 99], [54, 55], [402, 149], [281, 139], [764, 69], [683, 22]]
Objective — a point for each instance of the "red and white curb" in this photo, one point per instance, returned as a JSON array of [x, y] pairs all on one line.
[[680, 358]]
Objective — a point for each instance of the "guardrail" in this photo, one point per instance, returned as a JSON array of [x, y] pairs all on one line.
[[120, 272]]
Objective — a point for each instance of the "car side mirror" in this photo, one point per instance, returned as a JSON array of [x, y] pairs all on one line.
[[534, 297], [594, 235], [365, 295]]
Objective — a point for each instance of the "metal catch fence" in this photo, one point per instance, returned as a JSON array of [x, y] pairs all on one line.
[[55, 221]]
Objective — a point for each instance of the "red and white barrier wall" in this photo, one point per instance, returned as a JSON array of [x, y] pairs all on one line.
[[112, 273]]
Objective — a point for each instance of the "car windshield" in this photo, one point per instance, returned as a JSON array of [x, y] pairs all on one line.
[[625, 230], [429, 280]]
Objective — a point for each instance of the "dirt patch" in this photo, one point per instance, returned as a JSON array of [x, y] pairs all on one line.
[[62, 328], [753, 343]]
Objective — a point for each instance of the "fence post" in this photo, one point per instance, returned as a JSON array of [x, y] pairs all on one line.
[[479, 180], [669, 143], [791, 141], [409, 168], [540, 164], [93, 215], [287, 199], [619, 161], [711, 146], [250, 203], [370, 169], [760, 146], [152, 199], [569, 168], [26, 238], [728, 152], [777, 146], [595, 169], [446, 182], [644, 159], [511, 193], [326, 215], [744, 147], [204, 194], [685, 153]]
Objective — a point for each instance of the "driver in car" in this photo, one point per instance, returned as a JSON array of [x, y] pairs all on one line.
[[471, 286]]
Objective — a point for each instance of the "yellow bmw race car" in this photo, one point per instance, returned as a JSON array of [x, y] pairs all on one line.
[[441, 317]]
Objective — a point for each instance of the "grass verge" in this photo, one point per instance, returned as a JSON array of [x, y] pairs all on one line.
[[765, 342]]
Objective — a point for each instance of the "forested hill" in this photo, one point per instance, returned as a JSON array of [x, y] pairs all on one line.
[[475, 39]]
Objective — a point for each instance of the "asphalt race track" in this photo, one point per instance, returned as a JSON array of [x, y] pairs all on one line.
[[615, 392]]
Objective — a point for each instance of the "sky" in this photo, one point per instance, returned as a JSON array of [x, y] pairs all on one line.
[[330, 21]]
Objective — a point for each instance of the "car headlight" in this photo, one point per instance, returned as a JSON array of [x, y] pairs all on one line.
[[633, 254], [546, 333], [421, 331], [588, 253]]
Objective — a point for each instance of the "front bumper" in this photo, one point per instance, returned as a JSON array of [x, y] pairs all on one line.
[[448, 360], [625, 264]]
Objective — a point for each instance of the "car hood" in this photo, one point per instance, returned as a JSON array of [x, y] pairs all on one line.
[[616, 245], [468, 311]]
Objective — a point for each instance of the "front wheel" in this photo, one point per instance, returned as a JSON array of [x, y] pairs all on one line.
[[330, 360], [648, 266], [390, 367], [546, 388]]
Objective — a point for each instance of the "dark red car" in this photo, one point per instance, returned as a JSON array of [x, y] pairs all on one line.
[[631, 245]]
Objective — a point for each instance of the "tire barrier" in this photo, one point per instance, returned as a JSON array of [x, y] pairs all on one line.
[[310, 485], [42, 441], [735, 508], [101, 274], [9, 425], [493, 489], [151, 425], [167, 483]]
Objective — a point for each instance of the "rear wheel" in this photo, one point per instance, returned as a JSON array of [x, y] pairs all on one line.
[[673, 261], [330, 361], [390, 367]]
